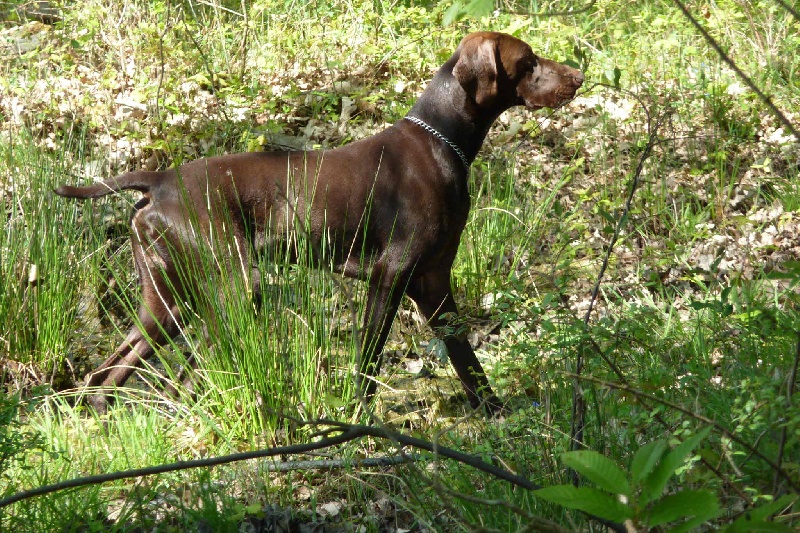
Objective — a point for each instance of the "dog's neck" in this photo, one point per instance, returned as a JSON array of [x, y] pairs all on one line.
[[446, 107]]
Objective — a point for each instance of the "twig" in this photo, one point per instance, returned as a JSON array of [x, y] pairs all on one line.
[[332, 464], [578, 401], [161, 64], [721, 429], [180, 465], [739, 72], [348, 433], [784, 431], [207, 66]]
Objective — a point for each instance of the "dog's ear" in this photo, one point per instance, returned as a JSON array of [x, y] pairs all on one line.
[[476, 69]]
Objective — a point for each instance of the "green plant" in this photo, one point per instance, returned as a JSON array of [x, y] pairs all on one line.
[[38, 298], [638, 494], [16, 438], [116, 86]]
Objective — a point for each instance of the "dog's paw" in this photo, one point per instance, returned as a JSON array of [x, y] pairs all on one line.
[[98, 402]]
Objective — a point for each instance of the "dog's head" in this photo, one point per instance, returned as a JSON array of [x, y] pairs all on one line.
[[498, 70]]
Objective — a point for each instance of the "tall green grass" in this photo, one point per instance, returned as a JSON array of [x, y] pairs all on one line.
[[41, 298], [290, 352]]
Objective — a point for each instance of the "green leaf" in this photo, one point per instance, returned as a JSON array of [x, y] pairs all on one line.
[[599, 470], [617, 77], [454, 13], [646, 459], [607, 216], [684, 504], [334, 402], [480, 8], [587, 499], [476, 9], [693, 523], [255, 509], [580, 55], [516, 25], [654, 484], [756, 519]]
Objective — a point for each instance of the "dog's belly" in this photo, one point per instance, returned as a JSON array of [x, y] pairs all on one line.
[[342, 252]]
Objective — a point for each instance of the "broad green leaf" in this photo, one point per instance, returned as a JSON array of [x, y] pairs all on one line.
[[607, 216], [459, 9], [480, 8], [755, 519], [646, 459], [684, 504], [613, 77], [599, 470], [334, 402], [654, 484], [255, 509], [587, 499], [516, 25], [693, 523], [617, 77], [454, 13]]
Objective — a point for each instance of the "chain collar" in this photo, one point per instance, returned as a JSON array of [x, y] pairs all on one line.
[[435, 133]]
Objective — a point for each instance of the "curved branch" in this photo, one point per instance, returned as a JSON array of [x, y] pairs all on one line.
[[348, 433], [179, 465]]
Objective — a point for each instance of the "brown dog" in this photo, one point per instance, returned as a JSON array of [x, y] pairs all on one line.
[[389, 209]]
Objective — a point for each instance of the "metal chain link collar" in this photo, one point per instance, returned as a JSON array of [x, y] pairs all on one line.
[[435, 133]]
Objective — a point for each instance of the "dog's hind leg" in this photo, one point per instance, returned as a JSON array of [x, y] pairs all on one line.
[[158, 319], [157, 324]]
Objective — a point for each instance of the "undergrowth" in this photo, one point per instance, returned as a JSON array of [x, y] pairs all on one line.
[[694, 325]]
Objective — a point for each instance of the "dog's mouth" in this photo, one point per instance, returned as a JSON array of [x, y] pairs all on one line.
[[559, 100], [566, 94], [564, 100]]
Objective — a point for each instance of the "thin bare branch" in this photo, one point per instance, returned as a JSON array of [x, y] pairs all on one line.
[[739, 72], [784, 431], [349, 432], [578, 401], [690, 413], [180, 465]]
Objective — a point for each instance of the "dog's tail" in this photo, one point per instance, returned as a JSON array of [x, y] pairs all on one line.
[[138, 180]]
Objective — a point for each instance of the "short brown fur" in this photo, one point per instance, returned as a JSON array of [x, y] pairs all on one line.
[[391, 207]]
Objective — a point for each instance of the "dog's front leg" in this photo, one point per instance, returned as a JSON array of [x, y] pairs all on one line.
[[383, 299], [434, 297]]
